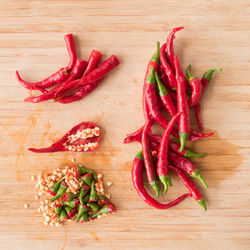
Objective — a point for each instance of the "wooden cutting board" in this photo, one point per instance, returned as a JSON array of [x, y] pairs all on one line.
[[216, 34]]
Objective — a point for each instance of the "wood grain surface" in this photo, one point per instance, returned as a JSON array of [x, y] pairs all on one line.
[[216, 33]]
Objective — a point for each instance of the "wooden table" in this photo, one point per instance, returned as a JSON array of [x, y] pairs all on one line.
[[216, 34]]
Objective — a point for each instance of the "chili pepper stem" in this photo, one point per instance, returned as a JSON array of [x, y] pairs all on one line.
[[183, 138], [208, 75], [166, 180], [202, 203], [197, 174], [190, 154], [156, 187]]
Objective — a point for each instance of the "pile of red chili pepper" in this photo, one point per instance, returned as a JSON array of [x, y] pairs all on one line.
[[167, 88], [75, 81]]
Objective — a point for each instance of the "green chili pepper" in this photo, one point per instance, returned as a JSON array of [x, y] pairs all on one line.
[[81, 209], [53, 190], [83, 170], [60, 192], [93, 205], [83, 191], [93, 194], [106, 209], [87, 178]]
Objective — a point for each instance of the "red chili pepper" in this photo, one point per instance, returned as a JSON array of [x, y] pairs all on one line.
[[187, 166], [70, 44], [137, 178], [170, 47], [76, 72], [196, 88], [167, 68], [165, 96], [83, 137], [182, 104], [195, 193], [148, 159], [162, 163], [205, 80]]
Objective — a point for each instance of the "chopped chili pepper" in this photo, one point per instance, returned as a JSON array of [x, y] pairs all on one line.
[[81, 209], [93, 193], [62, 189], [83, 137], [63, 215], [69, 196], [162, 163], [182, 104], [187, 166], [70, 44], [53, 190], [83, 191], [137, 178], [195, 193], [84, 218], [93, 205], [106, 209], [196, 88], [83, 170], [149, 163], [87, 178], [165, 96]]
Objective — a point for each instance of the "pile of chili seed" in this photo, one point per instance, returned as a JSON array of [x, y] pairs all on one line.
[[77, 194], [167, 88], [73, 82]]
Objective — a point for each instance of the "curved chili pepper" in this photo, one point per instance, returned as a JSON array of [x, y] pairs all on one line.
[[70, 44], [187, 166], [106, 209], [137, 178], [148, 159], [195, 193], [75, 73], [83, 137], [196, 88], [165, 96], [182, 104], [169, 46], [162, 163], [167, 68]]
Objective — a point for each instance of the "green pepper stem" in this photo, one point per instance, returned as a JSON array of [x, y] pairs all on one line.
[[161, 88], [165, 180], [202, 203], [151, 76], [192, 154], [189, 76], [183, 138], [156, 187], [197, 174], [208, 75], [139, 155], [155, 57]]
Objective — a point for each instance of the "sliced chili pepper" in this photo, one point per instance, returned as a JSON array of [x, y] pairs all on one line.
[[162, 163], [187, 166], [83, 191], [62, 189], [196, 88], [137, 178], [195, 193], [87, 178], [63, 215], [83, 170], [182, 104], [170, 47], [106, 209], [167, 68], [81, 209], [76, 72], [83, 137], [53, 190], [165, 96], [149, 163], [70, 44], [69, 196], [93, 197], [84, 218]]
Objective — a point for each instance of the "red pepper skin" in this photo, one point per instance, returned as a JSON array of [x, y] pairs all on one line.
[[70, 44], [187, 166], [167, 68], [148, 159], [165, 96], [76, 72], [137, 178], [64, 143], [195, 193], [182, 104], [196, 88], [162, 163], [170, 47]]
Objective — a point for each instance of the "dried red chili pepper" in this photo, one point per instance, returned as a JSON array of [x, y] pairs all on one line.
[[196, 88], [83, 137], [75, 73], [70, 44], [148, 159], [182, 104], [170, 47], [195, 193], [165, 96], [162, 163], [137, 178], [187, 166]]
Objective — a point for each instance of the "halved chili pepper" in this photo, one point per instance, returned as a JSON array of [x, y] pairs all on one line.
[[70, 44], [83, 137], [62, 189], [149, 163], [75, 73], [196, 88], [81, 209], [83, 191], [165, 96], [195, 193], [187, 166], [182, 104], [53, 190], [162, 163], [137, 178], [170, 47], [167, 68], [93, 197], [106, 209]]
